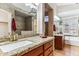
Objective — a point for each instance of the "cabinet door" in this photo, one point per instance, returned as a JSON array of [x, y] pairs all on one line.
[[35, 52], [48, 48], [48, 51], [47, 45], [58, 42], [51, 54], [41, 54]]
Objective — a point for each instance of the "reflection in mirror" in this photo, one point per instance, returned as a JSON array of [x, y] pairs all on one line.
[[58, 24], [25, 18], [26, 23], [23, 22]]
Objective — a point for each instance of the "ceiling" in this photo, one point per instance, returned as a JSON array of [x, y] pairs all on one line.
[[65, 9], [60, 9], [64, 4]]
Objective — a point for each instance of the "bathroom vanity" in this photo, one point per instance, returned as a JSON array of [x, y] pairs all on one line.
[[31, 46], [43, 50]]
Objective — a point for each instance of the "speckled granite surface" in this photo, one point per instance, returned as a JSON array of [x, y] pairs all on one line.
[[37, 41]]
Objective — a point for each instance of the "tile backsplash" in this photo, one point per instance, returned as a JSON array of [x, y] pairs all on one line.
[[24, 34]]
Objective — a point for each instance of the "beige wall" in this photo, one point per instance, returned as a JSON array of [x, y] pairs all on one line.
[[40, 18], [7, 7]]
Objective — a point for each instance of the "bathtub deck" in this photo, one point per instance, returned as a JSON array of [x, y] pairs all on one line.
[[72, 40]]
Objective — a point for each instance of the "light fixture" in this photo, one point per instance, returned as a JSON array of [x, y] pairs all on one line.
[[56, 18], [31, 5]]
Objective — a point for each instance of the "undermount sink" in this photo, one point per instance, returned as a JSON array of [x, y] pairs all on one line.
[[15, 45], [34, 39]]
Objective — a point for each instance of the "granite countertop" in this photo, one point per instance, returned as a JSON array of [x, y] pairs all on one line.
[[37, 41], [58, 34]]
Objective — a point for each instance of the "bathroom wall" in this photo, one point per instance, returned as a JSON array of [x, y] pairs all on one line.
[[10, 9], [28, 24], [40, 19]]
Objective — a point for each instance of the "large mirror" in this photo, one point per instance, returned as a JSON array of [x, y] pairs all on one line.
[[25, 16], [24, 22]]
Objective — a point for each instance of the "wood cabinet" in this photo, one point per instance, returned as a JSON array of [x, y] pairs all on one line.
[[51, 54], [48, 48], [43, 50], [48, 44], [59, 42], [35, 52], [41, 54]]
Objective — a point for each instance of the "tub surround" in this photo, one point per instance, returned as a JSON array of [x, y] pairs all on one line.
[[37, 41]]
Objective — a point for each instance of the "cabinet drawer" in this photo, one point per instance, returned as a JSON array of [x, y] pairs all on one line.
[[48, 51], [35, 52], [48, 44]]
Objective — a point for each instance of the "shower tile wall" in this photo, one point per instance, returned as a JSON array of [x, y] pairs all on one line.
[[23, 24], [20, 24]]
